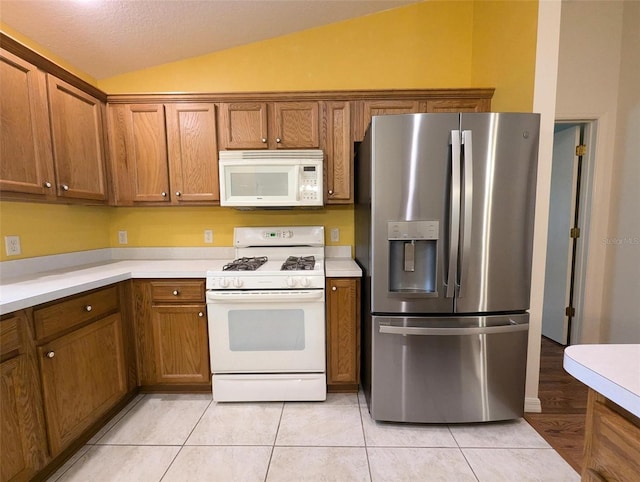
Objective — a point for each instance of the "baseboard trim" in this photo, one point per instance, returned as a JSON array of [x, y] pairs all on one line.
[[532, 405]]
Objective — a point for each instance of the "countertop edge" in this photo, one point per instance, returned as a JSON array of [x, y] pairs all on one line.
[[622, 396], [29, 294]]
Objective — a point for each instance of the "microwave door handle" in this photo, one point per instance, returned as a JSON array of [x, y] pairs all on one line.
[[298, 181]]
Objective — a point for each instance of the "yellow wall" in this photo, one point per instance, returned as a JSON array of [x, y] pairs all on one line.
[[184, 226], [53, 229], [504, 52], [421, 45], [433, 44]]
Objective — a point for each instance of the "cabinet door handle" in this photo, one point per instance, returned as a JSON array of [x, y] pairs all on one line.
[[278, 140], [176, 292], [264, 141], [47, 184], [178, 193], [200, 314], [330, 192], [88, 308], [163, 194], [333, 288], [50, 354], [64, 187]]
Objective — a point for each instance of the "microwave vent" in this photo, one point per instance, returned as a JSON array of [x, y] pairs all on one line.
[[279, 154]]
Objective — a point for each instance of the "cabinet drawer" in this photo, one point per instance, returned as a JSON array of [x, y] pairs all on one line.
[[9, 335], [57, 317], [177, 291]]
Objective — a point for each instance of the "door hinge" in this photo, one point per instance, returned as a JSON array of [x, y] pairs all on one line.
[[574, 233], [581, 150], [570, 311]]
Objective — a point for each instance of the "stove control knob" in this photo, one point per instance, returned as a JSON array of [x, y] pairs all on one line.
[[224, 282], [305, 282], [291, 282], [237, 282]]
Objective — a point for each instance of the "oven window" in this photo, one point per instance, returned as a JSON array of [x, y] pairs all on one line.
[[266, 330], [259, 183]]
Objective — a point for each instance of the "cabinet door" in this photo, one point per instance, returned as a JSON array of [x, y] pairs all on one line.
[[139, 153], [78, 142], [458, 105], [193, 152], [25, 138], [343, 334], [243, 125], [22, 435], [296, 125], [386, 107], [181, 344], [83, 376], [339, 151]]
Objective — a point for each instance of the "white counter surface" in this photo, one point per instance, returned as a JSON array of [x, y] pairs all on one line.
[[611, 370], [18, 292]]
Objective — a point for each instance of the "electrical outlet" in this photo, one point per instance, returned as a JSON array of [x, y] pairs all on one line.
[[12, 245], [335, 235], [122, 237], [208, 236]]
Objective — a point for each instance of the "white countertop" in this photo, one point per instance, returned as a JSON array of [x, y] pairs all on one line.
[[611, 370], [20, 292]]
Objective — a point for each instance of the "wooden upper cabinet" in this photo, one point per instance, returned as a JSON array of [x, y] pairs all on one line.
[[26, 160], [243, 125], [138, 153], [296, 125], [458, 105], [338, 149], [78, 142], [386, 107], [269, 125], [164, 153], [193, 152]]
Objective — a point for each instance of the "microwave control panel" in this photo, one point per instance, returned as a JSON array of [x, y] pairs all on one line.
[[309, 186]]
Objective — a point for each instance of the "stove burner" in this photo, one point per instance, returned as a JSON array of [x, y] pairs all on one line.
[[294, 263], [245, 264]]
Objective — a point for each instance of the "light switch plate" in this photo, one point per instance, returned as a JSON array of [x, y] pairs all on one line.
[[208, 236], [12, 245], [335, 235], [122, 237]]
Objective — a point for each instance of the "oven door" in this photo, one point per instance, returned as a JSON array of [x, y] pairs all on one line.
[[272, 331]]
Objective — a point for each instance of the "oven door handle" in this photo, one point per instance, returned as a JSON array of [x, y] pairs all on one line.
[[285, 296]]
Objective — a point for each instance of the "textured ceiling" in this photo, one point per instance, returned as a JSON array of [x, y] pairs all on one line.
[[109, 37]]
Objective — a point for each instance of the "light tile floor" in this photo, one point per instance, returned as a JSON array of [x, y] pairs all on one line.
[[190, 438]]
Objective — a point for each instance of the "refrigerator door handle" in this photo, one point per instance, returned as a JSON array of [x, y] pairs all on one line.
[[454, 226], [467, 212], [487, 330]]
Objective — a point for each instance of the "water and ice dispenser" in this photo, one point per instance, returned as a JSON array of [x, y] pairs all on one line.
[[413, 248]]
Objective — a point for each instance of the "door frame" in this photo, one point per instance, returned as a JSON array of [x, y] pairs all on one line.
[[589, 129]]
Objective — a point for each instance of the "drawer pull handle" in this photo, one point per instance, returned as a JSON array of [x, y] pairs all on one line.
[[176, 292], [47, 184], [88, 308], [50, 354], [64, 187], [333, 288], [200, 314]]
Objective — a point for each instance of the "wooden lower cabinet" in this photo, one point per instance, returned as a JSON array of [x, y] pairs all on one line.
[[343, 334], [23, 446], [83, 375], [612, 442], [172, 335]]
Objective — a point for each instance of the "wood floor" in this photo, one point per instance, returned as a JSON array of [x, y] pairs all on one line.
[[564, 405]]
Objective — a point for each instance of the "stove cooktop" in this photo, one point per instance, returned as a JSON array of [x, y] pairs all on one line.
[[245, 264]]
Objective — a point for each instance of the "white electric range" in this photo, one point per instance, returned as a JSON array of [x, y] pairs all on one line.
[[266, 317]]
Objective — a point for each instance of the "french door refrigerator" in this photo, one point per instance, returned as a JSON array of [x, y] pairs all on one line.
[[444, 229]]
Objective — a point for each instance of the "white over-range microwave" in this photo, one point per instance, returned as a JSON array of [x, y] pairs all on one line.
[[273, 178]]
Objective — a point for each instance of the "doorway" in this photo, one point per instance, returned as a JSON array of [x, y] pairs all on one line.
[[569, 208]]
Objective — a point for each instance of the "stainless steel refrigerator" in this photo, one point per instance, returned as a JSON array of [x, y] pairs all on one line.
[[444, 229]]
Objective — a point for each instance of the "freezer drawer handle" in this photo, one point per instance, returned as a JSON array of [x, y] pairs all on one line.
[[487, 330]]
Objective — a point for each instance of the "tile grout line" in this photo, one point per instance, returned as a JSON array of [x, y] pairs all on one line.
[[185, 441], [364, 437]]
